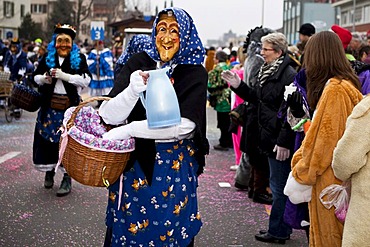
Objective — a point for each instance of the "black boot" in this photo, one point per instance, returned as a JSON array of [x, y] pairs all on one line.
[[65, 186], [49, 179]]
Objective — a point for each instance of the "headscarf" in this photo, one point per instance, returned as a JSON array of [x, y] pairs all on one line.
[[191, 48], [138, 43]]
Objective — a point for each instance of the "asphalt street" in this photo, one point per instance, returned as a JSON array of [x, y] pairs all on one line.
[[31, 215]]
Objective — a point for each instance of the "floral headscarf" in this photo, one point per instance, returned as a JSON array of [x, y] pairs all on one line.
[[191, 48], [138, 43]]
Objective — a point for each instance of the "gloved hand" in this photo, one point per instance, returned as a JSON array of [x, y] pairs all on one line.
[[281, 153], [58, 73], [231, 77], [138, 82], [295, 102], [116, 110], [119, 133], [45, 78]]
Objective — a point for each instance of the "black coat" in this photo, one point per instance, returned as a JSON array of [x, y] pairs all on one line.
[[47, 90], [266, 129], [190, 84]]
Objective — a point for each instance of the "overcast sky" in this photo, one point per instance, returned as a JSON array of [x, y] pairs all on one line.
[[213, 18]]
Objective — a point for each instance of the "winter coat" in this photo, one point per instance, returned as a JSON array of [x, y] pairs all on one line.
[[311, 163], [268, 98], [351, 161]]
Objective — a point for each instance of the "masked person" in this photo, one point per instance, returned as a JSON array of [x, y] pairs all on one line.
[[100, 61], [16, 63], [61, 75], [157, 203]]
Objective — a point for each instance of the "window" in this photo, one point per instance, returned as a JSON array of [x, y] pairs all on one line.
[[8, 9], [344, 18], [83, 29], [22, 10], [358, 15], [367, 13], [38, 8]]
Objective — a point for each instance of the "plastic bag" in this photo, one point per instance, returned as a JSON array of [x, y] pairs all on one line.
[[338, 196]]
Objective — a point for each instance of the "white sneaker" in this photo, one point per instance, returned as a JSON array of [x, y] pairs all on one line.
[[233, 168]]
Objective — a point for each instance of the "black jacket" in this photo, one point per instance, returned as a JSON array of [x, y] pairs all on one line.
[[190, 84], [267, 99]]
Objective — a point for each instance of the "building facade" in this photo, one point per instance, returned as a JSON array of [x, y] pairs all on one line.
[[353, 14], [321, 14], [11, 16]]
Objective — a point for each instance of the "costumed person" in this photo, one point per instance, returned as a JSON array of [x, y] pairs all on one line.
[[61, 75], [351, 164], [154, 203], [275, 137], [333, 89], [16, 62], [100, 62], [235, 128], [209, 62], [220, 100]]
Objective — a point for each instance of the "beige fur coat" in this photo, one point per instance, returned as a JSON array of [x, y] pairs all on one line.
[[352, 161], [311, 164]]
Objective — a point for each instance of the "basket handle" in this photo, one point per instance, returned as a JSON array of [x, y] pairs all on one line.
[[71, 120], [105, 181]]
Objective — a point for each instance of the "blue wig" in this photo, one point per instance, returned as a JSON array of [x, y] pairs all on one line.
[[75, 55]]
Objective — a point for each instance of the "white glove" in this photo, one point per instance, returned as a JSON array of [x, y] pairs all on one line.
[[116, 110], [22, 71], [119, 133], [1, 58], [6, 69], [281, 153], [138, 81], [45, 79], [58, 73], [231, 77]]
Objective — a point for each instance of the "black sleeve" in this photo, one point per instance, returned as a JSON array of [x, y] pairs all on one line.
[[246, 93]]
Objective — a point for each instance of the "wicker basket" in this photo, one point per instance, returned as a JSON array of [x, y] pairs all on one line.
[[25, 97], [90, 166], [5, 88]]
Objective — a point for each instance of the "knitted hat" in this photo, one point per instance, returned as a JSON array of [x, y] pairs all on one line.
[[66, 29], [307, 29], [344, 35]]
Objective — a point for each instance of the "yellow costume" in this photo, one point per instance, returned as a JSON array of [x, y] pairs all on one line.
[[311, 164]]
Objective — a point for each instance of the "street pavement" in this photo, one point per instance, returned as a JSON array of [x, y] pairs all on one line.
[[33, 216]]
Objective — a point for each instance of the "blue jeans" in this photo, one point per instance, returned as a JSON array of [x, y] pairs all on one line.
[[279, 171]]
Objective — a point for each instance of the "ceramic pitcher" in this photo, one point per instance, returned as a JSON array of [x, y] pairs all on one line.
[[161, 104]]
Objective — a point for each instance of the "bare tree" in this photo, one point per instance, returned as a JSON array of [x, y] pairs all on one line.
[[82, 12]]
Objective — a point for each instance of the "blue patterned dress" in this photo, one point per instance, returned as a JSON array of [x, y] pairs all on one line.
[[144, 218]]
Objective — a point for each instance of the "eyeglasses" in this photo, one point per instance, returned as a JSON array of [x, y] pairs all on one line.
[[267, 49]]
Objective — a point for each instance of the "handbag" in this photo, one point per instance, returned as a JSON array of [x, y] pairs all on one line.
[[238, 114], [59, 102]]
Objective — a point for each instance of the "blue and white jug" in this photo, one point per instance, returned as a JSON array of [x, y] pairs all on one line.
[[161, 103]]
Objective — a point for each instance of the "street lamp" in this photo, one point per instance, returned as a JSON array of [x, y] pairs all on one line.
[[263, 11]]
